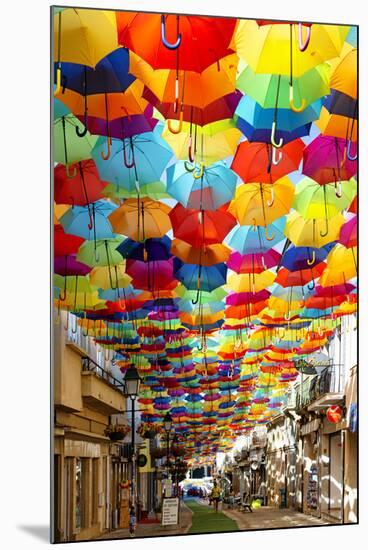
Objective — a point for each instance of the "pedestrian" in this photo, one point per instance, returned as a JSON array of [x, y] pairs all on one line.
[[132, 522], [215, 495]]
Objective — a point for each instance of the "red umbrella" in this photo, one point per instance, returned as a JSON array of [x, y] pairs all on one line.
[[353, 208], [84, 188], [256, 162], [65, 244], [187, 42], [287, 278], [199, 227]]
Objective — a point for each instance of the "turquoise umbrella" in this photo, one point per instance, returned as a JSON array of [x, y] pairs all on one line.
[[203, 188], [133, 162], [247, 239]]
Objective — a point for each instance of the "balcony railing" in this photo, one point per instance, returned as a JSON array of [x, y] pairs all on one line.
[[313, 387], [91, 366]]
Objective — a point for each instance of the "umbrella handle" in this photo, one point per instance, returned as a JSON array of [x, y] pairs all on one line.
[[276, 159], [84, 131], [268, 237], [338, 189], [270, 203], [273, 135], [179, 128], [58, 81], [348, 152], [313, 259], [168, 45], [66, 328], [291, 101], [287, 317], [128, 164], [68, 174], [107, 156], [324, 233], [188, 166], [85, 334], [190, 150], [303, 45], [313, 285], [200, 173], [74, 331]]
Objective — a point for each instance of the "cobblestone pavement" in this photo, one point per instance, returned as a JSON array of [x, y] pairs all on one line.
[[269, 517]]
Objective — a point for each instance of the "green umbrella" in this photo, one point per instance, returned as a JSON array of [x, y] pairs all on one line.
[[215, 296], [105, 253], [315, 201], [155, 190], [68, 147], [263, 88]]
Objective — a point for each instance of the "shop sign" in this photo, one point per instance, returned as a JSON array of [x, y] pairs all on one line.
[[170, 511], [334, 414], [353, 417]]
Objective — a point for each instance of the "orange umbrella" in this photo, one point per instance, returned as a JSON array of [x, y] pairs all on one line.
[[107, 106], [188, 87], [337, 125], [141, 219], [207, 255], [344, 77]]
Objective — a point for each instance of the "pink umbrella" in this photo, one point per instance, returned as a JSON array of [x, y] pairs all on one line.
[[253, 263], [325, 160], [152, 276], [348, 232], [242, 298]]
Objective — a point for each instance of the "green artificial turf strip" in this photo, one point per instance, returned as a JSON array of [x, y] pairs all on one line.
[[206, 520]]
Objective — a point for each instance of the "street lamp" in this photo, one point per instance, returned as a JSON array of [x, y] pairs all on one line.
[[132, 381], [168, 421]]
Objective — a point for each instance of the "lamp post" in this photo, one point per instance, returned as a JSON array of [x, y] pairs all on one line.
[[132, 382], [167, 427]]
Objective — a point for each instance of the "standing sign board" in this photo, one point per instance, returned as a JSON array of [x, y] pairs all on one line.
[[170, 511]]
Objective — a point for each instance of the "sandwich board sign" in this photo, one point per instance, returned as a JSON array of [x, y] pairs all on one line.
[[170, 511]]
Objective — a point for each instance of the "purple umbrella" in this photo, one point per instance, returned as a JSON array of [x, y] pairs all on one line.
[[124, 127], [326, 160], [69, 265], [348, 233]]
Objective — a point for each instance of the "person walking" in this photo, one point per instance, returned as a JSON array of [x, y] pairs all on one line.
[[215, 495]]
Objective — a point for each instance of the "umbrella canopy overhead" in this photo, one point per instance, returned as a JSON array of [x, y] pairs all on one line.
[[205, 217]]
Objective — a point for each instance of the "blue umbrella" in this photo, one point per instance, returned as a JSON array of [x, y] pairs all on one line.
[[135, 161], [110, 75], [287, 120], [264, 134], [152, 249], [209, 191], [303, 257], [196, 277], [89, 222], [338, 103], [249, 240]]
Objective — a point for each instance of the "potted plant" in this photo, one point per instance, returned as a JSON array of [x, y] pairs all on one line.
[[148, 430], [157, 453], [117, 432]]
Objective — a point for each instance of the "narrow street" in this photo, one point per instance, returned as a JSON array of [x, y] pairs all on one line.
[[197, 517]]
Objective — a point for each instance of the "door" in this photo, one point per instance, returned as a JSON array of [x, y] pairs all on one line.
[[336, 475], [67, 522]]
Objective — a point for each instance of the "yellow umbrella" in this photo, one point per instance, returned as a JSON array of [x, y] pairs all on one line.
[[106, 278], [215, 141], [86, 35], [248, 282], [302, 232], [261, 203], [341, 266], [266, 48], [141, 219]]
